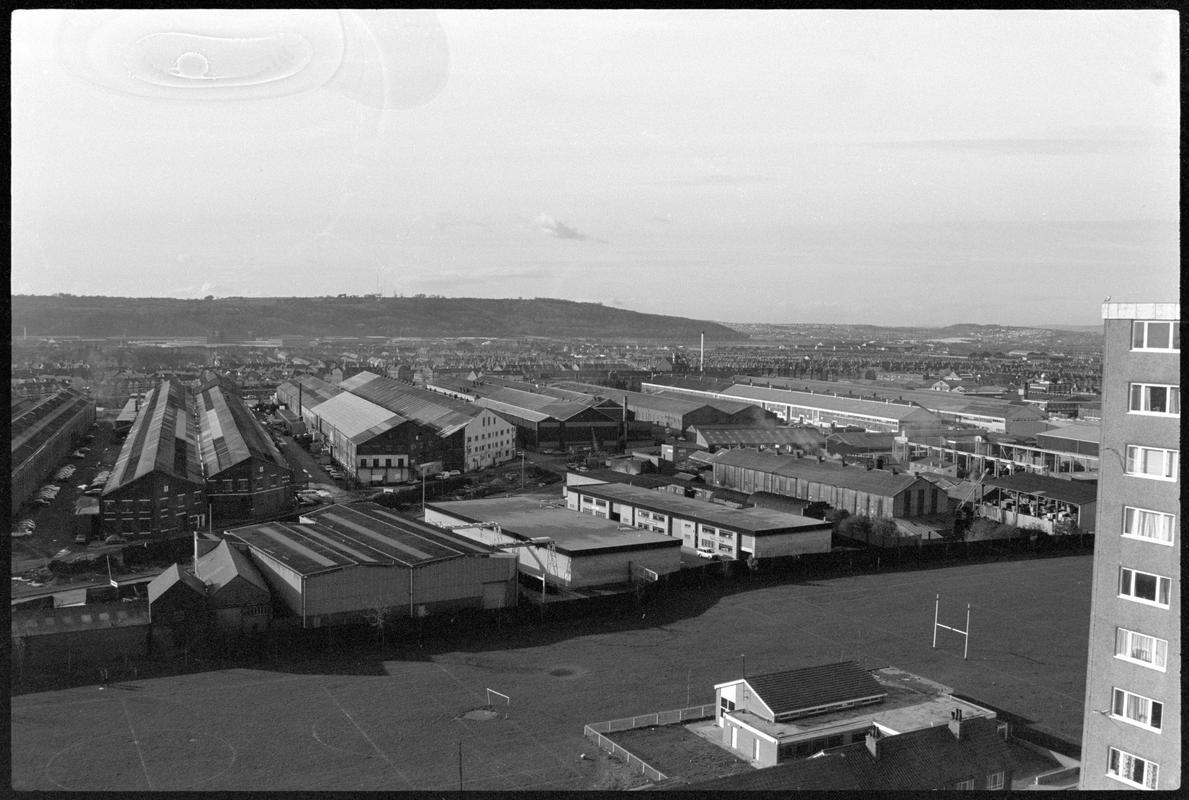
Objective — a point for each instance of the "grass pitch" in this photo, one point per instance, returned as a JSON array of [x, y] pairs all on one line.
[[409, 722]]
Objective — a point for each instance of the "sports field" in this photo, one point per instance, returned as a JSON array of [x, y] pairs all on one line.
[[400, 723]]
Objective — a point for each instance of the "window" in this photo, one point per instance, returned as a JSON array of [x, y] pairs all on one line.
[[995, 780], [726, 704], [1152, 462], [1144, 587], [966, 784], [1141, 649], [228, 486], [243, 484], [1131, 769], [1155, 335], [1140, 523], [1151, 398], [1137, 709]]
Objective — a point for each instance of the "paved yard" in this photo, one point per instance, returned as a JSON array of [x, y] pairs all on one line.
[[401, 721]]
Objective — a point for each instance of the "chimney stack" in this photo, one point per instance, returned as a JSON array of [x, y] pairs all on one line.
[[873, 739], [955, 723]]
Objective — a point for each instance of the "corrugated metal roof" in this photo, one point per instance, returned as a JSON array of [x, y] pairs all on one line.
[[444, 414], [721, 435], [223, 564], [40, 421], [874, 481], [162, 439], [356, 534], [795, 690], [356, 418], [527, 405], [313, 390], [229, 433], [870, 408], [1077, 492]]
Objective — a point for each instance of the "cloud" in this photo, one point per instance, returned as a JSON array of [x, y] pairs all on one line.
[[557, 228], [715, 180]]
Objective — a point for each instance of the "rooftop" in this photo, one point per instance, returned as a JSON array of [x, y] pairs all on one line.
[[432, 409], [910, 703], [574, 534], [876, 481], [1080, 492], [749, 520], [357, 534], [230, 434]]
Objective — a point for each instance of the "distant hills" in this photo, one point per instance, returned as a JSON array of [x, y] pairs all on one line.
[[425, 317]]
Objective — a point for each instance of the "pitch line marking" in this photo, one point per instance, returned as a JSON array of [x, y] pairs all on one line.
[[363, 733], [136, 742]]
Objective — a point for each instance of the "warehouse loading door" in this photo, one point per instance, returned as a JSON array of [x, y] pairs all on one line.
[[494, 595]]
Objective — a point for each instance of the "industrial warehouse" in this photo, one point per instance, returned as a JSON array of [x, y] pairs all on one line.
[[542, 421], [157, 486], [559, 546], [344, 562], [246, 477], [43, 434], [383, 431], [726, 533], [857, 490]]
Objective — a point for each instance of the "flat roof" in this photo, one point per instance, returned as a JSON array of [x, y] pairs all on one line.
[[574, 533], [757, 521], [1080, 432]]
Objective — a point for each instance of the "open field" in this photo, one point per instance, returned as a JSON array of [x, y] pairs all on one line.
[[395, 721]]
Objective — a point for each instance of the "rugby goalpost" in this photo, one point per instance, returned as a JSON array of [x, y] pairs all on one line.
[[965, 634], [493, 693]]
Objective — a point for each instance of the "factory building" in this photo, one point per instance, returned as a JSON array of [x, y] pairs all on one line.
[[858, 490], [344, 563], [1000, 416], [827, 410], [156, 486], [542, 421], [303, 393], [1069, 451], [730, 534], [487, 440], [246, 476], [377, 446], [42, 435], [712, 438], [574, 551], [676, 412]]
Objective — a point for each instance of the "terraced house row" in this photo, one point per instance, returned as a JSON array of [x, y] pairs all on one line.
[[193, 460]]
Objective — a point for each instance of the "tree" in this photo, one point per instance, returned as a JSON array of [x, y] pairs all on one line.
[[377, 617]]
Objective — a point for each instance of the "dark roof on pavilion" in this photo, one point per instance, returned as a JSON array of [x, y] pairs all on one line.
[[798, 689]]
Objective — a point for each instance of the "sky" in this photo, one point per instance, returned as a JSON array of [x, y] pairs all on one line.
[[890, 167]]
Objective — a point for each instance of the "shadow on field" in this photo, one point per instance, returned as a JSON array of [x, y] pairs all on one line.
[[362, 649]]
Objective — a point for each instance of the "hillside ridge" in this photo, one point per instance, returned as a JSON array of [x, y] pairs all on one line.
[[420, 317]]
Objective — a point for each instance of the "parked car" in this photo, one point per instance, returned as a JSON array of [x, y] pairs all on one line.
[[20, 533], [707, 552]]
